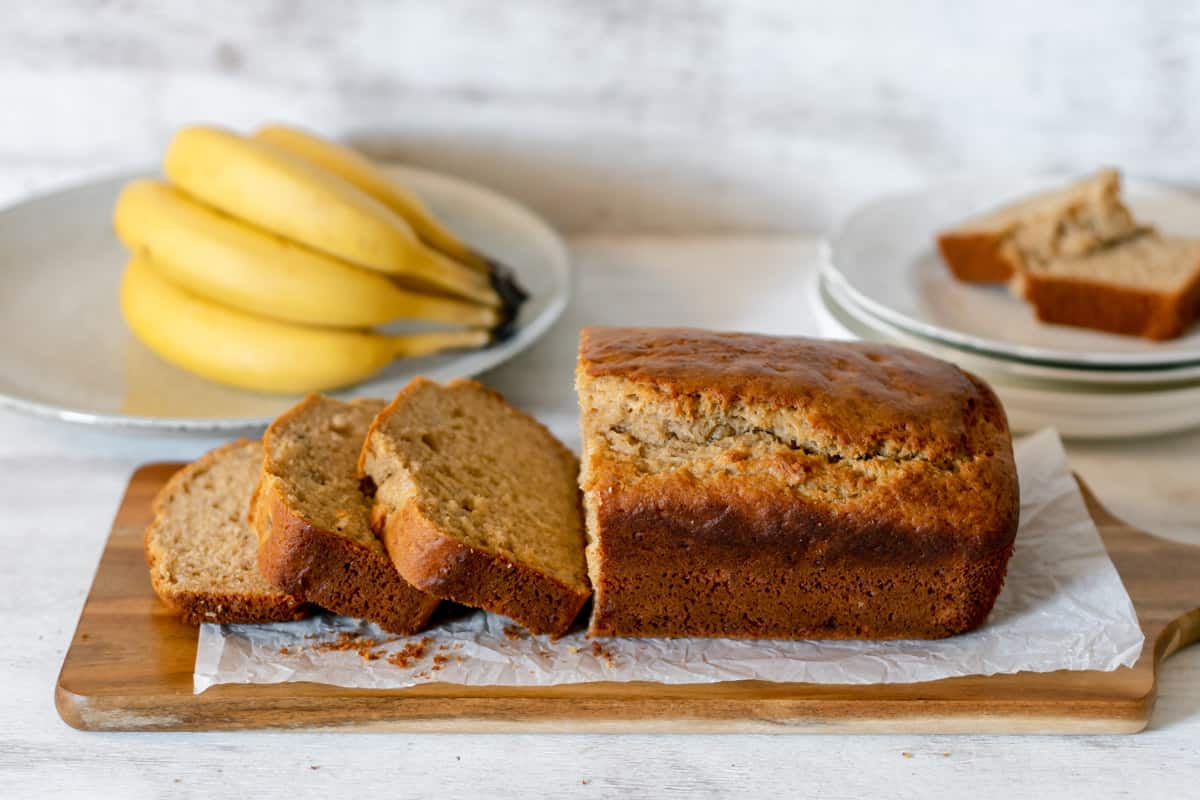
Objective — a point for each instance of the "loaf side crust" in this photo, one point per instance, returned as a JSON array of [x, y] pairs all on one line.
[[453, 570], [196, 608], [977, 257], [1067, 300], [331, 570]]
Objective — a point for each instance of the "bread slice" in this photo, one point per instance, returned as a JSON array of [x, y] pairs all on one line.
[[201, 549], [313, 521], [478, 503], [1147, 286], [1072, 221]]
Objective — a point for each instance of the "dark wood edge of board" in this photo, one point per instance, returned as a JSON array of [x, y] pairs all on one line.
[[157, 694]]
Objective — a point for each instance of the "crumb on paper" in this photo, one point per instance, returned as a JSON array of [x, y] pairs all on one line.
[[599, 651], [283, 651], [514, 632], [906, 754], [367, 647], [412, 651]]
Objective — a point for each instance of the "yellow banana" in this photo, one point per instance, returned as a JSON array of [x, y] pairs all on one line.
[[360, 171], [243, 267], [263, 355], [264, 185]]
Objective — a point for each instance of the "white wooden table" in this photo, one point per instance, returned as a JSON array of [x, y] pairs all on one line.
[[59, 486]]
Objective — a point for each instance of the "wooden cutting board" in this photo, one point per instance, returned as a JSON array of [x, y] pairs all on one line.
[[129, 667]]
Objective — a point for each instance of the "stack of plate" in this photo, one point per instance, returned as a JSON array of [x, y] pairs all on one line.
[[883, 280]]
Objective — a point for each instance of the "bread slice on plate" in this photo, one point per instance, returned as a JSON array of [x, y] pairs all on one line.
[[200, 547], [1072, 221], [478, 503], [1146, 286], [313, 521]]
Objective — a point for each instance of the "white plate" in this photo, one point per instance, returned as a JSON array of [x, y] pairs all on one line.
[[886, 259], [1018, 369], [66, 353], [1077, 411]]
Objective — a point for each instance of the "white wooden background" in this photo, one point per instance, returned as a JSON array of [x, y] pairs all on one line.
[[612, 118], [623, 115]]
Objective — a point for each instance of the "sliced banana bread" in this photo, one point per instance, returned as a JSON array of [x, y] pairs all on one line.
[[1072, 221], [1146, 286], [478, 503], [776, 487], [201, 549], [313, 521]]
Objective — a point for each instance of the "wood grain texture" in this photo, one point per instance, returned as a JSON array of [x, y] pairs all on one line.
[[761, 116], [130, 668]]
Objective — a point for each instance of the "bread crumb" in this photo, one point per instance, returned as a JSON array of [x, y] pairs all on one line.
[[283, 651], [412, 651], [906, 754], [514, 632], [599, 651], [369, 649]]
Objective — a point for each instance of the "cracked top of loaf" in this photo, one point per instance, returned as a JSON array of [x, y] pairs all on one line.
[[908, 450]]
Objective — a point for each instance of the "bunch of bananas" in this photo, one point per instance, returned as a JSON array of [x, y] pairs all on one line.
[[264, 262]]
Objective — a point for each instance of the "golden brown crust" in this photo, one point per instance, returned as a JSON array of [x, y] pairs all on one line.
[[196, 608], [1117, 309], [331, 570], [324, 567], [914, 544], [452, 570], [978, 257], [861, 396]]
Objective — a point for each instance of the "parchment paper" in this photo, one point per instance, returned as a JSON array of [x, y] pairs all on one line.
[[1062, 607]]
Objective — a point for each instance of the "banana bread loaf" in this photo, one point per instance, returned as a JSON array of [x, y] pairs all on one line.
[[767, 487]]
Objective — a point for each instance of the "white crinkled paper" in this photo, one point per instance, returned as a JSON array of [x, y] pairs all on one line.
[[1062, 607]]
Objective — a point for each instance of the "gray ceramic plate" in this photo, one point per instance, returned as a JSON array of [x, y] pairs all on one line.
[[66, 353]]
